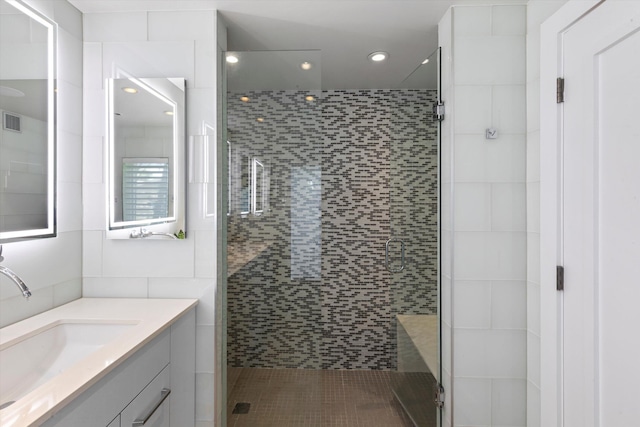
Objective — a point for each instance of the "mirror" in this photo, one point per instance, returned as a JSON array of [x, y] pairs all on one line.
[[27, 132], [147, 190]]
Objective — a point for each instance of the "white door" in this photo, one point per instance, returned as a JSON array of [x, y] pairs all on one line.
[[600, 218]]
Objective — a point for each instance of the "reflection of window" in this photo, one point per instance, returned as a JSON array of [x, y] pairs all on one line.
[[257, 187], [145, 188], [245, 187], [229, 178]]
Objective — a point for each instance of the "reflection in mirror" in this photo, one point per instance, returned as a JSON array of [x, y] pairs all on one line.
[[145, 189], [245, 185], [27, 133], [229, 184], [257, 187], [146, 156]]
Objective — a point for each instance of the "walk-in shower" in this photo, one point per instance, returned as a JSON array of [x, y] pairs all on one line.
[[332, 245]]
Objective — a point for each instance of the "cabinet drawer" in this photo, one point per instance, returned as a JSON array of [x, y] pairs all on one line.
[[151, 407]]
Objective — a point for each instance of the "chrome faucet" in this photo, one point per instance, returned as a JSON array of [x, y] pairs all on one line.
[[14, 278]]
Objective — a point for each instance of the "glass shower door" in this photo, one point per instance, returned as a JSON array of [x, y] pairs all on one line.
[[273, 290], [412, 252], [312, 308]]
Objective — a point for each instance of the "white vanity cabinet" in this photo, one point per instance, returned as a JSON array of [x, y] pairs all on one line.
[[154, 387], [152, 407]]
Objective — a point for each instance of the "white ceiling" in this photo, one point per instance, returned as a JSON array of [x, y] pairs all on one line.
[[344, 31]]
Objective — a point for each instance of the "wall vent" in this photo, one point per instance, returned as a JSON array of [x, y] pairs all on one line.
[[11, 122]]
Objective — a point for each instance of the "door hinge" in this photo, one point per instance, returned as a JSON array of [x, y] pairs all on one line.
[[439, 396], [560, 278], [560, 90], [438, 111]]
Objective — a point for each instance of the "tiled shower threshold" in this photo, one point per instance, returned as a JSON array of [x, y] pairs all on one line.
[[306, 398]]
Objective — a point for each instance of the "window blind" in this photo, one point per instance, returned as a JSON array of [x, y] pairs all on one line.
[[145, 189]]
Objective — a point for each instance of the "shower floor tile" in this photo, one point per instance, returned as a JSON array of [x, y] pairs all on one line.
[[315, 398]]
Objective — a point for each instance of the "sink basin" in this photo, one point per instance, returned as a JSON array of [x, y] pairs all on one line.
[[28, 362]]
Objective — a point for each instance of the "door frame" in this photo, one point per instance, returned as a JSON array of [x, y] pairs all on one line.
[[551, 140]]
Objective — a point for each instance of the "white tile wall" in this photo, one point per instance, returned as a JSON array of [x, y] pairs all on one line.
[[489, 256], [473, 304], [509, 106], [508, 208], [507, 300], [508, 402], [509, 20], [185, 26], [109, 287], [498, 160], [473, 204], [153, 44], [489, 60], [489, 249], [115, 27], [472, 109], [473, 402]]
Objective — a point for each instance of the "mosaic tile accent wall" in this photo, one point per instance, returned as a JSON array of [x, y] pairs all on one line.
[[344, 173]]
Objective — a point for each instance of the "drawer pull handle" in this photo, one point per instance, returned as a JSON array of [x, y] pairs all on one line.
[[164, 393]]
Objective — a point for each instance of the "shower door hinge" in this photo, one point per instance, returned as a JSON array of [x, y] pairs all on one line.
[[560, 90], [439, 396], [438, 111], [560, 278]]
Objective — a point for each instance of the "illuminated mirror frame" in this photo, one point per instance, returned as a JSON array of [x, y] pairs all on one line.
[[50, 230], [176, 221]]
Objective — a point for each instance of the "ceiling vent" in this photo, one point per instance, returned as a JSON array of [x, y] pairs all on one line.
[[11, 122]]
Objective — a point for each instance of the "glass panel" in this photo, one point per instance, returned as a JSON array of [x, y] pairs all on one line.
[[274, 317], [319, 180], [413, 250]]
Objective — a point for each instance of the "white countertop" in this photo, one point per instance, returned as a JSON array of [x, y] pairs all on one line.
[[151, 317]]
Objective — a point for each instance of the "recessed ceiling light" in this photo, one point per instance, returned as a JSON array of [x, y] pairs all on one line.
[[306, 65], [426, 61], [378, 56], [130, 89], [260, 119], [244, 98], [169, 113], [231, 59], [309, 98]]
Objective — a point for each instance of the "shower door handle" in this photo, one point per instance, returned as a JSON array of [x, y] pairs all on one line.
[[386, 255]]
